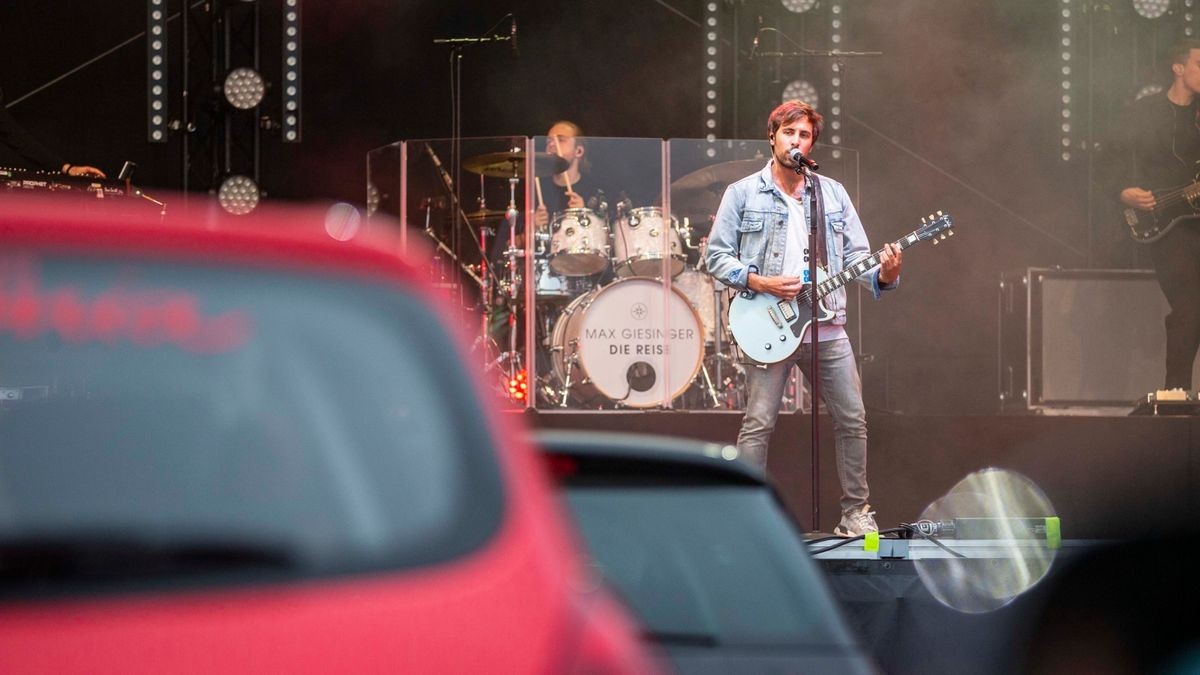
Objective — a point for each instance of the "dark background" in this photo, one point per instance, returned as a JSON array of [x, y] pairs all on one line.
[[962, 113]]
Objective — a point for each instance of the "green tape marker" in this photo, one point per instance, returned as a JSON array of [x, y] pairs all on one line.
[[871, 541], [1053, 533]]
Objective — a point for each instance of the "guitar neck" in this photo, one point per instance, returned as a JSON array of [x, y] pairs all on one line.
[[860, 268]]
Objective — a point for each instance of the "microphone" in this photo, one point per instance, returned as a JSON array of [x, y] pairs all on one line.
[[512, 37], [754, 49], [441, 170], [800, 160], [597, 203]]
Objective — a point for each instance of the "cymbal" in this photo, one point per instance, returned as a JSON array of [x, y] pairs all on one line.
[[486, 214], [699, 192], [512, 163]]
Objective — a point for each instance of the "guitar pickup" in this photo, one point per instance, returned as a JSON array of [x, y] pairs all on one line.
[[785, 308], [774, 317]]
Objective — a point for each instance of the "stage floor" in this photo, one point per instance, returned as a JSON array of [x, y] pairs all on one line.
[[1106, 476]]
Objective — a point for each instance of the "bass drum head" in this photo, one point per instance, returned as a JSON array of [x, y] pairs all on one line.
[[629, 343]]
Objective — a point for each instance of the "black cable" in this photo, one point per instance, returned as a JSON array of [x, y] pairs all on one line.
[[917, 531], [847, 540]]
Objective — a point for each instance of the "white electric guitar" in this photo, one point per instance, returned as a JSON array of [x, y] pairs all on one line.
[[769, 329]]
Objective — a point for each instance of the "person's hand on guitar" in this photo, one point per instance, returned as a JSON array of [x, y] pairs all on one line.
[[1137, 198], [890, 259], [782, 287]]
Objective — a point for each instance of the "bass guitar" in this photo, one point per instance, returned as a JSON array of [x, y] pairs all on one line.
[[1171, 207], [769, 329]]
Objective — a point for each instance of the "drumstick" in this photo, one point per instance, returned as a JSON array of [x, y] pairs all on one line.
[[537, 184], [567, 177]]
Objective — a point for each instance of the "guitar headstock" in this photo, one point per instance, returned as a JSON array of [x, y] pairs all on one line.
[[936, 227]]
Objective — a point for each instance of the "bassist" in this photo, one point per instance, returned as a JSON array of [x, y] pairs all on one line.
[[1164, 142], [758, 243]]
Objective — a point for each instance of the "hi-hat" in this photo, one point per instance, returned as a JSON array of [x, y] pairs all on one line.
[[699, 192], [512, 163]]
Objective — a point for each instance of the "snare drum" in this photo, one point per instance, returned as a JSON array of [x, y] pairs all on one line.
[[641, 237], [579, 243], [613, 343]]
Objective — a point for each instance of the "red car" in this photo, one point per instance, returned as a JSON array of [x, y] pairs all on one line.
[[241, 445]]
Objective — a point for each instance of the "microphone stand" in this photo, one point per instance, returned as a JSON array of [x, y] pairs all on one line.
[[815, 213], [457, 48]]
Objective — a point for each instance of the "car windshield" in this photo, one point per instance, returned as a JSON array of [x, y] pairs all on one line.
[[302, 421], [707, 564]]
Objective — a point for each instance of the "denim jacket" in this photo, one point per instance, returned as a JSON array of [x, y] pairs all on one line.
[[749, 235]]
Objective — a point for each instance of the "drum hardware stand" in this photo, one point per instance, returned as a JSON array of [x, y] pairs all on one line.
[[569, 362]]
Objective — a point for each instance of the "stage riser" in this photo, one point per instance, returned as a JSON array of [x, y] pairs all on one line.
[[1106, 476]]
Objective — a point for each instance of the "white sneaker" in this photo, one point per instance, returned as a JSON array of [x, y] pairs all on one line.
[[857, 522]]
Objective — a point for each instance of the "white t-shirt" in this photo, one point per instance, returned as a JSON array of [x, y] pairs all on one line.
[[795, 265]]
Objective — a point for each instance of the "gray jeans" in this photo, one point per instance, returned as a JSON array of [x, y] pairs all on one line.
[[841, 391]]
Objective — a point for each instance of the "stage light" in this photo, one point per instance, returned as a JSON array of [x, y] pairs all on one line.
[[244, 88], [238, 195], [799, 6], [518, 386], [801, 90], [835, 82], [372, 199], [156, 71], [291, 71], [1151, 9], [710, 102], [1065, 27]]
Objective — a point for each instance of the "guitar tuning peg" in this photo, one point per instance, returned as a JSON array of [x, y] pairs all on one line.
[[935, 241], [923, 221], [939, 213], [950, 233]]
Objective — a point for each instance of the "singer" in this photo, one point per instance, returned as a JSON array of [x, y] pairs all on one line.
[[759, 242]]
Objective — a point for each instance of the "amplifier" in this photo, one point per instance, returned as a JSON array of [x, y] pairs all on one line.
[[1072, 338]]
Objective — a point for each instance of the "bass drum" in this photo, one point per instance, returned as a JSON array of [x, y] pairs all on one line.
[[612, 343]]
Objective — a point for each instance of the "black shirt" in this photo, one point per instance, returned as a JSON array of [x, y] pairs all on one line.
[[1163, 140]]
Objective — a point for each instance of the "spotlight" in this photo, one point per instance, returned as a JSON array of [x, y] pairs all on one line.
[[801, 90], [244, 88], [1151, 9], [799, 6], [238, 195]]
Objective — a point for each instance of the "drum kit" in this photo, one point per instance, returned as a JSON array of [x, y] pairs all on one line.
[[608, 333]]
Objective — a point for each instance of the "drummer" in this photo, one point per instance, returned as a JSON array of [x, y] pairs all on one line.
[[566, 190], [571, 189]]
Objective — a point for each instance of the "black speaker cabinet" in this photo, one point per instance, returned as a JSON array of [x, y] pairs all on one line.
[[1079, 338]]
